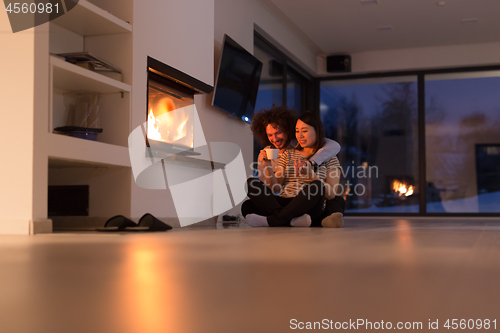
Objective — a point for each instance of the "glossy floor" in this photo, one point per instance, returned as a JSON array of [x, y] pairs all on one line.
[[252, 280]]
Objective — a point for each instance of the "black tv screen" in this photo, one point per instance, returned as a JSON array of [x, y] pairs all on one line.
[[237, 82]]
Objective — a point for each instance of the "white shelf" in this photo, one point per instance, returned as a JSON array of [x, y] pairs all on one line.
[[87, 19], [70, 77], [89, 152]]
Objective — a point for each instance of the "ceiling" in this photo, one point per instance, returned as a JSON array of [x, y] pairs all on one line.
[[348, 26]]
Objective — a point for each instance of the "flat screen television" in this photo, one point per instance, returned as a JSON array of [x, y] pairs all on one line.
[[237, 81]]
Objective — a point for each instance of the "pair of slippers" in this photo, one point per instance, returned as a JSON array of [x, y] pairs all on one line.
[[147, 223]]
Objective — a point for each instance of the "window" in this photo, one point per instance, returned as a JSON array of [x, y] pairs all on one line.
[[375, 123], [463, 142], [273, 88], [271, 81], [431, 135]]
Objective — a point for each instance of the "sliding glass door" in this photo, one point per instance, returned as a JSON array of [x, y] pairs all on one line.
[[462, 113], [375, 122], [282, 82], [271, 81], [431, 140]]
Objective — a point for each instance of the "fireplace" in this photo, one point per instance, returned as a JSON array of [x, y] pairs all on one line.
[[401, 191], [170, 112], [402, 187]]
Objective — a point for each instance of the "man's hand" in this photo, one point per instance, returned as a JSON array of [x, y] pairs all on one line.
[[262, 159]]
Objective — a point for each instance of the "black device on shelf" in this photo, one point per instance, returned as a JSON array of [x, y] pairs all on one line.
[[79, 132], [98, 64], [237, 81]]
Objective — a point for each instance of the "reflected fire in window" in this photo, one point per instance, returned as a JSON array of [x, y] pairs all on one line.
[[402, 189]]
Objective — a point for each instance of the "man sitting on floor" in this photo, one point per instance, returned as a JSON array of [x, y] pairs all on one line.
[[275, 128]]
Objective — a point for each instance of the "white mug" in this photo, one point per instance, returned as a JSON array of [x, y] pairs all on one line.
[[272, 154]]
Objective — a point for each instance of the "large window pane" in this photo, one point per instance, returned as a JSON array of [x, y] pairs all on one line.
[[293, 93], [271, 81], [375, 121], [276, 67], [463, 142]]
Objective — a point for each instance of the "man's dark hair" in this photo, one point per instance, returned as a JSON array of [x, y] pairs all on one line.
[[312, 119], [278, 116]]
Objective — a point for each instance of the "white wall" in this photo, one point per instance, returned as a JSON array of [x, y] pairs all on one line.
[[188, 35], [41, 126], [422, 58], [16, 135], [239, 18], [180, 34]]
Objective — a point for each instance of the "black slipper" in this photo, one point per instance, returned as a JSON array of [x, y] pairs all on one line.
[[149, 223], [117, 223]]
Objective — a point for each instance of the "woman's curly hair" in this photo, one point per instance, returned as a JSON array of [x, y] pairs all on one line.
[[280, 116]]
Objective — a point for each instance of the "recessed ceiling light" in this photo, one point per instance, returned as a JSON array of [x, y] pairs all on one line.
[[386, 28], [470, 20], [369, 2], [441, 3]]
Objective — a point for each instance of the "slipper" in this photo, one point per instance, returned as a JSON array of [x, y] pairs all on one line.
[[149, 223], [117, 223]]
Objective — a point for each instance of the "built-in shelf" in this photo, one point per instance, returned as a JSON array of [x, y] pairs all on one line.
[[63, 147], [70, 77], [87, 19], [103, 165]]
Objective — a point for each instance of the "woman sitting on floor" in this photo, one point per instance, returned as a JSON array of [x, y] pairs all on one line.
[[302, 190]]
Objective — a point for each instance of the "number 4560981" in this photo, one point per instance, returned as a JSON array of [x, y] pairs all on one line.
[[478, 324], [32, 8]]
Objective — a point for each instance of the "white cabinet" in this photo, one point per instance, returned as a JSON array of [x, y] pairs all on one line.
[[103, 165], [92, 29], [87, 19]]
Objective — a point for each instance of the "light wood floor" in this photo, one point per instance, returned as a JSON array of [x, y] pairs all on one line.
[[251, 280]]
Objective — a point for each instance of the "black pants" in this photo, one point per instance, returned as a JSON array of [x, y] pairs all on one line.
[[335, 205], [280, 211]]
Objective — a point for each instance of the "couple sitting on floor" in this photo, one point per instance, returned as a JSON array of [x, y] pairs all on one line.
[[297, 189]]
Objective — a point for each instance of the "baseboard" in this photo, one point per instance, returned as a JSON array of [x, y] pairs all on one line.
[[78, 222], [174, 222], [14, 227], [440, 218], [41, 227], [88, 223]]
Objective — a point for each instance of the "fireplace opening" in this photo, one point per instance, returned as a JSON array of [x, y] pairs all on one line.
[[170, 109], [401, 191], [170, 115], [402, 188]]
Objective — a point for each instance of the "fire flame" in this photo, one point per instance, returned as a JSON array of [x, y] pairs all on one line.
[[162, 127], [181, 130], [402, 189], [346, 192], [153, 132]]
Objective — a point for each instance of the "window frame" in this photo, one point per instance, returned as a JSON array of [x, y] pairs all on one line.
[[420, 74], [307, 81], [291, 68]]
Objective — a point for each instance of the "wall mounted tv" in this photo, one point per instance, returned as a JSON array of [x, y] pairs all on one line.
[[237, 82]]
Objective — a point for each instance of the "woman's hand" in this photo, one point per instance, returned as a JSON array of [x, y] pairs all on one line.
[[304, 168], [299, 167]]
